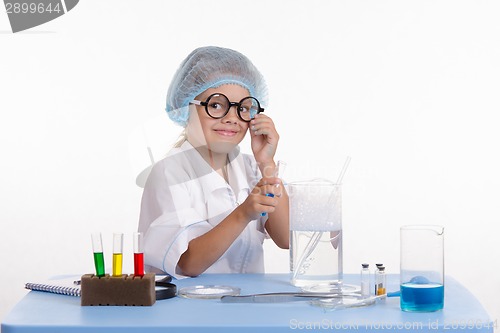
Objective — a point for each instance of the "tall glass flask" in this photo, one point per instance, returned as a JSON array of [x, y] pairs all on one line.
[[422, 268], [315, 233]]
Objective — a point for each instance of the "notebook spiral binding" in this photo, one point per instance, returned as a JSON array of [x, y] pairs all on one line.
[[63, 290]]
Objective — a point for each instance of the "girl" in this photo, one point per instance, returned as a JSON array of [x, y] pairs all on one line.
[[206, 207]]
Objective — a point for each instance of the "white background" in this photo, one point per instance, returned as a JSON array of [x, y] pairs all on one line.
[[408, 89]]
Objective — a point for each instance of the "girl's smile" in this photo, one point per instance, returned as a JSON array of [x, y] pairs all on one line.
[[226, 132]]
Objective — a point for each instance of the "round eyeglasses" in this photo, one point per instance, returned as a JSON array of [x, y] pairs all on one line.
[[218, 105]]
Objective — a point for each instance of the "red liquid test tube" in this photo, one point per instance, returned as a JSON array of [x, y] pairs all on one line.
[[138, 254]]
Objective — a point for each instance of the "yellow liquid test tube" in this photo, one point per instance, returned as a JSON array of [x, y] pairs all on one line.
[[117, 264], [117, 254]]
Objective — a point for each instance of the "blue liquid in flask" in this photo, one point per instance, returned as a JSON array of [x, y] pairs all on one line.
[[422, 297]]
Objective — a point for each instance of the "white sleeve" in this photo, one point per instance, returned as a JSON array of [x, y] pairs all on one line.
[[169, 222]]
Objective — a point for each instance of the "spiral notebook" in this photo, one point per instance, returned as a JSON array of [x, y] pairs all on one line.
[[59, 286]]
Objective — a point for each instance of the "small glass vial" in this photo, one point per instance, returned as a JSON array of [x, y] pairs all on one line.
[[380, 282], [365, 280], [377, 266]]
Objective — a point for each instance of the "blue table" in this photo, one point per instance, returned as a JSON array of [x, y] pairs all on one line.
[[45, 312]]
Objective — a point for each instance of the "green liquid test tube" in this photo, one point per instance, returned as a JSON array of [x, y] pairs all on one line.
[[98, 254], [99, 263]]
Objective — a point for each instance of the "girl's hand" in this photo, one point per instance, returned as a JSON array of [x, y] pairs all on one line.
[[264, 138], [258, 202]]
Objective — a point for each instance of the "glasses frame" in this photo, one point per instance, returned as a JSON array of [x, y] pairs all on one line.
[[230, 105]]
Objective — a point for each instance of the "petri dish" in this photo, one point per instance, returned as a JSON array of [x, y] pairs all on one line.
[[344, 302], [208, 291], [331, 288]]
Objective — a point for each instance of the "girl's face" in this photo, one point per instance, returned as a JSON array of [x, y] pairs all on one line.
[[219, 135]]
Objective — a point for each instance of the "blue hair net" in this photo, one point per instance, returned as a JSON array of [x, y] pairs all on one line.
[[210, 67]]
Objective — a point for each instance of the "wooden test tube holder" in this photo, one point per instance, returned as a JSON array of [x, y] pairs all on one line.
[[125, 290]]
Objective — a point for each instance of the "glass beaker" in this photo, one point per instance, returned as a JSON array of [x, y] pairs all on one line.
[[315, 233], [422, 268]]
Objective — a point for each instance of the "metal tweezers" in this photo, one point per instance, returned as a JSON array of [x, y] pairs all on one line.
[[302, 296], [281, 297]]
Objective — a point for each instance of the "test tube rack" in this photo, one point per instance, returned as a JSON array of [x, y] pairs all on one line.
[[125, 290]]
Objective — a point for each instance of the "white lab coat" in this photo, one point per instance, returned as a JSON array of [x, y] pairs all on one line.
[[184, 198]]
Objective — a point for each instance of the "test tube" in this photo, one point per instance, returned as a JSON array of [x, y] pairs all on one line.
[[138, 254], [280, 169], [98, 253], [117, 254], [278, 173]]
